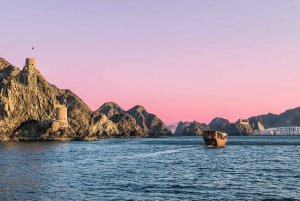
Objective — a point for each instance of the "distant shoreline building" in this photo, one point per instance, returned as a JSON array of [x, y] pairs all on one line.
[[292, 130]]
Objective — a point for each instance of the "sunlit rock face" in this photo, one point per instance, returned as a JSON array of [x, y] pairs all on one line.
[[28, 110], [110, 109]]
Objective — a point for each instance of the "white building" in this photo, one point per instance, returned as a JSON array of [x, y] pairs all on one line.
[[293, 130]]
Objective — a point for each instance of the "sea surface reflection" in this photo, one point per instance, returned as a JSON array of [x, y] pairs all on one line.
[[176, 168]]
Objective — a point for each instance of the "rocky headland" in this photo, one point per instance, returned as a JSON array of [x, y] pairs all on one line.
[[33, 109]]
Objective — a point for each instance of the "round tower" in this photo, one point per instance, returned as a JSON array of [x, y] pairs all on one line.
[[30, 62], [62, 113]]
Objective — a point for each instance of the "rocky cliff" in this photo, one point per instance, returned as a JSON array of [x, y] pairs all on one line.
[[28, 111]]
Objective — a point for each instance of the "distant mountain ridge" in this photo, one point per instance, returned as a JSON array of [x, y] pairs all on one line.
[[288, 118]]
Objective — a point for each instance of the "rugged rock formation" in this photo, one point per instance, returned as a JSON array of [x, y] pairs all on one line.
[[149, 123], [195, 128], [110, 109], [288, 118], [28, 102], [224, 125], [79, 114], [127, 126], [180, 127], [25, 97], [102, 127], [255, 124], [7, 71], [267, 120], [218, 122], [27, 111]]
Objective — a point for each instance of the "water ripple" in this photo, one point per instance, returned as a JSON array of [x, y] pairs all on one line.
[[182, 168]]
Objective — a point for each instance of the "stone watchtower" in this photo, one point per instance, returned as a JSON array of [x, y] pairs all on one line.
[[61, 117], [62, 113], [30, 62], [30, 72]]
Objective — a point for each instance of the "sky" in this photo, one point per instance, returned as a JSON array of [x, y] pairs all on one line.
[[181, 60]]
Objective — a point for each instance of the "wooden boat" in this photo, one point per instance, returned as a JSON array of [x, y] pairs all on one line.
[[214, 138]]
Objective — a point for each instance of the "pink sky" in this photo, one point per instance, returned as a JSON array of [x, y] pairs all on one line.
[[181, 60]]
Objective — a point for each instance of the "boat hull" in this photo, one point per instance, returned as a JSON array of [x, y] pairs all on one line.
[[214, 138], [215, 142]]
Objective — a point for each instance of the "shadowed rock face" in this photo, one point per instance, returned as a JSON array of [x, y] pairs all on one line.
[[194, 128], [149, 123], [110, 109], [224, 125], [180, 127], [127, 126], [7, 71], [288, 118], [217, 122]]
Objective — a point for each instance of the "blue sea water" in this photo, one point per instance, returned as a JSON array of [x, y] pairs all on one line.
[[175, 168]]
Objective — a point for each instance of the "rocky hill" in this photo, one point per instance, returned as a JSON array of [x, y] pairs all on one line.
[[194, 128], [224, 125], [180, 127], [149, 123], [28, 111], [288, 118], [110, 109]]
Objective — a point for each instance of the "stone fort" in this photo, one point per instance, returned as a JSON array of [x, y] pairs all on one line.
[[61, 111], [244, 121]]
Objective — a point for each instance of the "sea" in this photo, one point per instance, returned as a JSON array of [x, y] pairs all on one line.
[[174, 168]]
